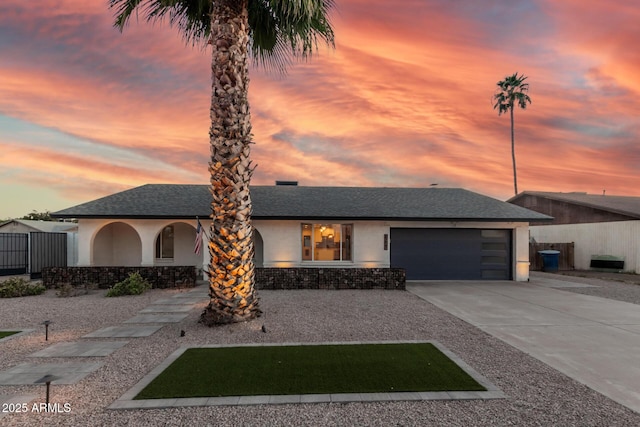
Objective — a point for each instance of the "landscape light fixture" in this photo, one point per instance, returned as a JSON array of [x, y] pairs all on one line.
[[47, 379], [46, 324]]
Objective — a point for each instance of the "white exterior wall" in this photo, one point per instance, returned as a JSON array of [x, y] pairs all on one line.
[[521, 252], [72, 249], [618, 238], [283, 243]]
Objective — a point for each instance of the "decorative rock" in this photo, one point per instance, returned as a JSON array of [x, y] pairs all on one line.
[[330, 278], [105, 277]]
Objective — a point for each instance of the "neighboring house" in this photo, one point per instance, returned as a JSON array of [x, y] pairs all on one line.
[[433, 233], [600, 226], [28, 245], [27, 226]]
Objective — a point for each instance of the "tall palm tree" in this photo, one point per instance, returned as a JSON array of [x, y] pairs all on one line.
[[274, 31], [511, 91]]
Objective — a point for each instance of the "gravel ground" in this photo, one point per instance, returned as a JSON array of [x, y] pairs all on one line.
[[616, 286], [538, 394]]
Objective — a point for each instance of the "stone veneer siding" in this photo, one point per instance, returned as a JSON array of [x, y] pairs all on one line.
[[266, 278], [330, 278], [105, 277]]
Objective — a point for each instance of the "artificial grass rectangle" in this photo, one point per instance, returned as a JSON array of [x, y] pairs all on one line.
[[309, 369], [4, 334]]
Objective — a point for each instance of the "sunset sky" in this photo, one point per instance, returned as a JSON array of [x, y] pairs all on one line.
[[405, 99]]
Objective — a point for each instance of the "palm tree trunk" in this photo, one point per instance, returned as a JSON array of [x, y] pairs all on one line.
[[513, 153], [231, 272]]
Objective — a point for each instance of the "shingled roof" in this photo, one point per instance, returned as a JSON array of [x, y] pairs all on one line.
[[308, 203], [625, 205], [44, 226]]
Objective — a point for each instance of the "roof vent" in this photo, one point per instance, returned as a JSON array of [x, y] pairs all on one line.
[[294, 183]]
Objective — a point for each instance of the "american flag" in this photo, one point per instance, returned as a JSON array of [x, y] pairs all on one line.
[[198, 243]]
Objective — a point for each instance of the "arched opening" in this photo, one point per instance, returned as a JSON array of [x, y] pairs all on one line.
[[175, 244], [258, 249], [117, 244]]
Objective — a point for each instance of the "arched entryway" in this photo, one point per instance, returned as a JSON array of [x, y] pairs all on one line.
[[117, 244], [175, 244]]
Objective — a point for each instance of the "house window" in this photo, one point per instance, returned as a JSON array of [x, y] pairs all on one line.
[[326, 242], [164, 243]]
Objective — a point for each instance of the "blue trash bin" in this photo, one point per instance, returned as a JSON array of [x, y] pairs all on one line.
[[550, 260]]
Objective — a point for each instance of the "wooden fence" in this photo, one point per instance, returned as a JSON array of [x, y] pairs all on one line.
[[566, 260]]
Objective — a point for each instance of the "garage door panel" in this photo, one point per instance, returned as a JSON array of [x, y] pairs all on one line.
[[452, 254]]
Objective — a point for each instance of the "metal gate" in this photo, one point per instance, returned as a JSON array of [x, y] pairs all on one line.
[[14, 253], [47, 250]]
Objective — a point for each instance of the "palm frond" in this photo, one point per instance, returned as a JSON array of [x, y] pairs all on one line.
[[280, 30], [192, 17]]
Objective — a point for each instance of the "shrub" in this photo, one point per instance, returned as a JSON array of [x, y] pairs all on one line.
[[19, 287], [133, 285], [66, 290]]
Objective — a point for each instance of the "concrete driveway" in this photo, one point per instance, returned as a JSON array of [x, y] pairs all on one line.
[[593, 340]]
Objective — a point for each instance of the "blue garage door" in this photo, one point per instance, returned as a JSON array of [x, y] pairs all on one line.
[[452, 254]]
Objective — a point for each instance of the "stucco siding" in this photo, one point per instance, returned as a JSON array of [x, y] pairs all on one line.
[[605, 238], [282, 242], [368, 244]]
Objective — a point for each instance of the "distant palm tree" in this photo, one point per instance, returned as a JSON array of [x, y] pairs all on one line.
[[275, 31], [512, 90]]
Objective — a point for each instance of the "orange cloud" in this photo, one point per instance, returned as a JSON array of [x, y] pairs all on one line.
[[405, 100]]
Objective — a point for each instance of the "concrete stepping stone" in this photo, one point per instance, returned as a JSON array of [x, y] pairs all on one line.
[[180, 301], [80, 349], [167, 309], [196, 290], [197, 294], [158, 318], [132, 331], [29, 373]]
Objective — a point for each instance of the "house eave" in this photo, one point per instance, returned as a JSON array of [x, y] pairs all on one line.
[[310, 218], [181, 217], [401, 219]]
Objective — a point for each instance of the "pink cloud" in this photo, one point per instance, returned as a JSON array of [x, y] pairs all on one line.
[[404, 100]]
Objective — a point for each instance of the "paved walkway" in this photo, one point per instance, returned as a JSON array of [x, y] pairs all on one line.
[[593, 340], [161, 312]]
